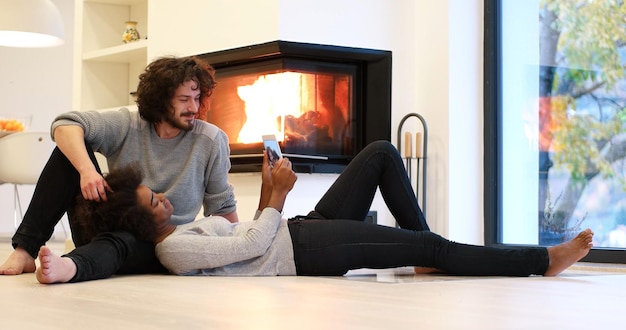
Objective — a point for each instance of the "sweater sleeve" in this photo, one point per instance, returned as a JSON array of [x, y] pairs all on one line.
[[104, 131], [202, 245]]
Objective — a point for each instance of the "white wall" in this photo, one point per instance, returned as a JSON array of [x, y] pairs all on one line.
[[465, 122], [36, 81], [437, 72]]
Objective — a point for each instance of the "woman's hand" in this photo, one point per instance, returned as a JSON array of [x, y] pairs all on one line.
[[266, 182], [276, 183], [266, 170], [283, 180], [283, 176]]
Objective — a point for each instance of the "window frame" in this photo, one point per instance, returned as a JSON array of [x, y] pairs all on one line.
[[492, 93]]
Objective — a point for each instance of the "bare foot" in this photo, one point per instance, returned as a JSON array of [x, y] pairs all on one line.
[[17, 263], [565, 254], [426, 270], [54, 269]]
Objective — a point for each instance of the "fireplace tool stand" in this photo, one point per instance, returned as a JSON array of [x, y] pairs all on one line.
[[405, 146]]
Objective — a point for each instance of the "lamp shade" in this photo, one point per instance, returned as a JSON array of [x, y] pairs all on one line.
[[30, 23]]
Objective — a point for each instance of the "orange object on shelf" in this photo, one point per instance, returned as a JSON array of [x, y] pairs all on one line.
[[11, 125]]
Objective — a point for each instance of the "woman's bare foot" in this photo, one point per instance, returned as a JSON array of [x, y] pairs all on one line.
[[54, 269], [17, 263], [425, 270], [565, 254]]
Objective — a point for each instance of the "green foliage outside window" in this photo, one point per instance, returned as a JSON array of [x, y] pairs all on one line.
[[583, 80]]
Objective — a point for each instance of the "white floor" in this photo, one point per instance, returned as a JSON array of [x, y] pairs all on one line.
[[583, 297]]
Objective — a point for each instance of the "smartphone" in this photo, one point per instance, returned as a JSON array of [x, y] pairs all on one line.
[[273, 149]]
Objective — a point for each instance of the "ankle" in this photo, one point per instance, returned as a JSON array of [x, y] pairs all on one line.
[[23, 253]]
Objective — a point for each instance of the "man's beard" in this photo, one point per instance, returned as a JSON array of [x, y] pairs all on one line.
[[186, 126]]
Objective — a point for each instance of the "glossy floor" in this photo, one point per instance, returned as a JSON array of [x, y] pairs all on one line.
[[581, 298]]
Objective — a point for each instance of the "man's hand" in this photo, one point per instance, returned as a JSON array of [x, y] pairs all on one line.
[[93, 186], [71, 141]]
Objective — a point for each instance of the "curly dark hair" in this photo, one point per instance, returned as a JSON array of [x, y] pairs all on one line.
[[162, 77], [121, 211]]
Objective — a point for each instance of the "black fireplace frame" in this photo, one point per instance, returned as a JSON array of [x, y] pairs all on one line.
[[372, 87]]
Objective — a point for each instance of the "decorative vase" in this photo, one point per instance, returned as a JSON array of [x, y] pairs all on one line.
[[130, 33]]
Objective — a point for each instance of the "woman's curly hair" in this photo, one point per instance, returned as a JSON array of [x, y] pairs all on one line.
[[162, 77], [121, 211]]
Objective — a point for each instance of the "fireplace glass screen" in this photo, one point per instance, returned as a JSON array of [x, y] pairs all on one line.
[[324, 103], [309, 107]]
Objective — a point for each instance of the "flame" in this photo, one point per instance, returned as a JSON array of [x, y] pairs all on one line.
[[269, 99]]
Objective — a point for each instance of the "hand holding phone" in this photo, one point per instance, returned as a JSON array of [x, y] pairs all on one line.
[[272, 148]]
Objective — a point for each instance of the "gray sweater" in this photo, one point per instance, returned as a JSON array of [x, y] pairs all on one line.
[[214, 246], [191, 169]]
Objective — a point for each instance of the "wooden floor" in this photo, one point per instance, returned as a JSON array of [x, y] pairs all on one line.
[[578, 299]]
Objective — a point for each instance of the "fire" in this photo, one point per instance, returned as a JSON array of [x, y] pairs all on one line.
[[270, 99]]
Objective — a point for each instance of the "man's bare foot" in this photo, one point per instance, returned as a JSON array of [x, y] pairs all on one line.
[[17, 263], [565, 254], [53, 268]]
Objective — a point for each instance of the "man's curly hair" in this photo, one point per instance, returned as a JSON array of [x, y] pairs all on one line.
[[162, 77], [121, 211]]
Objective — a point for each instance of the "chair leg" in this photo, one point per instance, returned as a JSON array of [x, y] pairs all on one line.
[[64, 230], [17, 205]]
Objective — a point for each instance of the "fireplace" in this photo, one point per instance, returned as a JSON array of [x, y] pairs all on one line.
[[323, 103]]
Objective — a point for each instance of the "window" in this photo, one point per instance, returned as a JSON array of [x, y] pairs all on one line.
[[555, 123]]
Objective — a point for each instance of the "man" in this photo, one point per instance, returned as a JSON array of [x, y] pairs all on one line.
[[186, 158]]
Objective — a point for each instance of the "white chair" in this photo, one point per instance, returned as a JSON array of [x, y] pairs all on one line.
[[23, 156]]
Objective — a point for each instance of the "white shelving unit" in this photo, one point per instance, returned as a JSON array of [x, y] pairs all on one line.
[[106, 70]]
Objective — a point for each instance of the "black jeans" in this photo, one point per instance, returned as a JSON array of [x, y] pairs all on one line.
[[106, 254], [324, 245]]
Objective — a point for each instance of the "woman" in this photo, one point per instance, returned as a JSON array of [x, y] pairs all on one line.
[[330, 240]]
